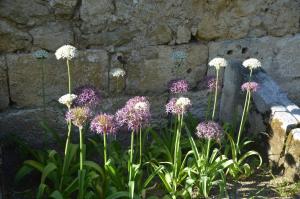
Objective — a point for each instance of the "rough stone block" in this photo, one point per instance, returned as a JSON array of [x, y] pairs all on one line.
[[292, 156], [278, 56], [151, 68], [281, 123], [26, 125], [25, 76], [52, 35]]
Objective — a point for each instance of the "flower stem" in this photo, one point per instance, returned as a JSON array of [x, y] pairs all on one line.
[[66, 154], [247, 100], [177, 150], [69, 76], [81, 148], [141, 145], [207, 150], [131, 162], [104, 149], [216, 95]]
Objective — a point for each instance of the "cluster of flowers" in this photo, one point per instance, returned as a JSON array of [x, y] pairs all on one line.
[[136, 112]]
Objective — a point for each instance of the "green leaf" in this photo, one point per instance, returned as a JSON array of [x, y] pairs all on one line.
[[41, 190], [153, 174], [72, 187], [81, 184], [25, 170], [248, 154], [121, 194], [93, 165], [57, 195], [47, 170], [34, 164]]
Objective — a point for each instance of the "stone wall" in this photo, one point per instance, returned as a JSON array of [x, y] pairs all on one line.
[[141, 36]]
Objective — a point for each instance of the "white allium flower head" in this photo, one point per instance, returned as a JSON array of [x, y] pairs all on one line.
[[66, 52], [141, 106], [67, 99], [252, 63], [117, 72], [218, 62], [183, 102]]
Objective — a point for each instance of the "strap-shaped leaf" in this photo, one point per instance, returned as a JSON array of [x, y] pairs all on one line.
[[47, 170], [56, 195], [34, 164], [25, 170]]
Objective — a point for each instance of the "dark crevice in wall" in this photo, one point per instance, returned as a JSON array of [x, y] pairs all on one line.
[[76, 13], [11, 102]]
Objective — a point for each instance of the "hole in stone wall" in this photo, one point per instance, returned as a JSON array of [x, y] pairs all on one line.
[[266, 9], [244, 50], [193, 38], [229, 52], [189, 70]]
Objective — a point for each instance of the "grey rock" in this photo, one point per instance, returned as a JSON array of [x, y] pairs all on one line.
[[150, 69], [25, 74], [12, 38], [4, 95], [183, 35], [52, 35]]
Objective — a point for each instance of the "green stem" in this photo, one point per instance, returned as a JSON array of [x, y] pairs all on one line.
[[216, 95], [250, 76], [81, 148], [131, 158], [66, 154], [247, 100], [177, 150], [207, 150], [69, 76], [141, 145], [104, 149]]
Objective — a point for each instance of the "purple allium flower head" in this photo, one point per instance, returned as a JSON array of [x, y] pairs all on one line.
[[78, 116], [209, 130], [178, 105], [211, 83], [250, 86], [178, 86], [87, 96], [104, 123], [135, 114]]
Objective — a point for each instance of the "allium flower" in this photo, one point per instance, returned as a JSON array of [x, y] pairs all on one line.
[[87, 96], [78, 116], [178, 86], [67, 99], [250, 86], [209, 130], [40, 54], [104, 123], [211, 83], [178, 106], [117, 72], [218, 62], [135, 114], [252, 63], [66, 52]]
